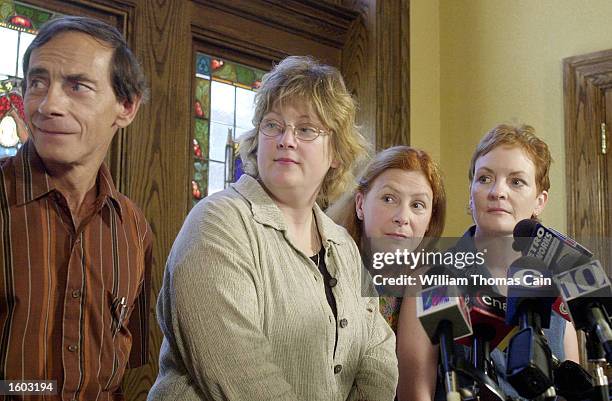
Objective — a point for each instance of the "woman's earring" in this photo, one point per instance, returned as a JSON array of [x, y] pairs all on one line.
[[360, 216]]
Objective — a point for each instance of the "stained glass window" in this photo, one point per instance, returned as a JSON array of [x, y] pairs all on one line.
[[19, 24], [223, 110]]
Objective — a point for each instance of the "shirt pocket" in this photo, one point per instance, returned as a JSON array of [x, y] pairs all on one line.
[[120, 311]]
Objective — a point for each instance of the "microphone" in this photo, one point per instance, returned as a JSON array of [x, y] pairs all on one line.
[[444, 315], [437, 303], [533, 239], [557, 251], [597, 360], [488, 314], [529, 359], [573, 382], [488, 317], [561, 309], [587, 292], [526, 299]]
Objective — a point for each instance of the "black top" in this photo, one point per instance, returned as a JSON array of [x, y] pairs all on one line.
[[328, 282]]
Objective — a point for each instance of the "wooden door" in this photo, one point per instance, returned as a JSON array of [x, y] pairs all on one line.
[[588, 120], [606, 141], [587, 83]]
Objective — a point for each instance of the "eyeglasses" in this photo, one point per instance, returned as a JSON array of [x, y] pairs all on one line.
[[304, 132]]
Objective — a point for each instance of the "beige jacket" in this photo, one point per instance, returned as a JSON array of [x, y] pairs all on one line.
[[245, 317]]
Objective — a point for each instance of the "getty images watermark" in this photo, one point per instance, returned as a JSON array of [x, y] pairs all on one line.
[[399, 268]]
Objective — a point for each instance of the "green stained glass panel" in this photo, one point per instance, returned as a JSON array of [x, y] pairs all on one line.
[[201, 138], [249, 77], [202, 98], [224, 93], [223, 69], [237, 73], [199, 184], [200, 170], [36, 15], [7, 8], [245, 76], [201, 130]]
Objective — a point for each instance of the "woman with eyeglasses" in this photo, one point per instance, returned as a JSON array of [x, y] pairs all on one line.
[[262, 296]]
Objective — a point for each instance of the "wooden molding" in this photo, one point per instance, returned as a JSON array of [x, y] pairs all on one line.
[[376, 67], [114, 12], [214, 43], [393, 73], [271, 36], [315, 20]]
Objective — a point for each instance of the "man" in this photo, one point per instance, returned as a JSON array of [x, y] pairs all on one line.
[[75, 254]]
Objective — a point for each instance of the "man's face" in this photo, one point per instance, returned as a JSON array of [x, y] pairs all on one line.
[[70, 105]]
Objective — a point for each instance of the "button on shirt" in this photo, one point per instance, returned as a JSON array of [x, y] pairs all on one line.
[[243, 318], [62, 286]]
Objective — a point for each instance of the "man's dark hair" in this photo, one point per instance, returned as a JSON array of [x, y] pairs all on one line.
[[126, 74]]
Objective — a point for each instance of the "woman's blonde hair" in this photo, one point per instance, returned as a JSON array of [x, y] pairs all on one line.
[[405, 158], [302, 78]]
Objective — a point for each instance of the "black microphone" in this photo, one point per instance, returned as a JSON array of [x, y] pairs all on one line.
[[573, 382], [557, 251], [444, 315], [488, 317], [529, 358], [597, 361], [531, 294], [587, 292]]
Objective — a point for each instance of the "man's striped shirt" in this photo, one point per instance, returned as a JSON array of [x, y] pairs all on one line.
[[73, 300]]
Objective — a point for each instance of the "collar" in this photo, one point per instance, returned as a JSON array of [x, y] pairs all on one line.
[[33, 182], [265, 211], [466, 243]]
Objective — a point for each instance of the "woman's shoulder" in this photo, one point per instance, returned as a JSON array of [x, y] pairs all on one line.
[[226, 203], [219, 215]]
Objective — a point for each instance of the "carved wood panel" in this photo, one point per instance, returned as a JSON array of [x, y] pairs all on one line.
[[393, 78], [376, 66], [157, 156], [359, 65]]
